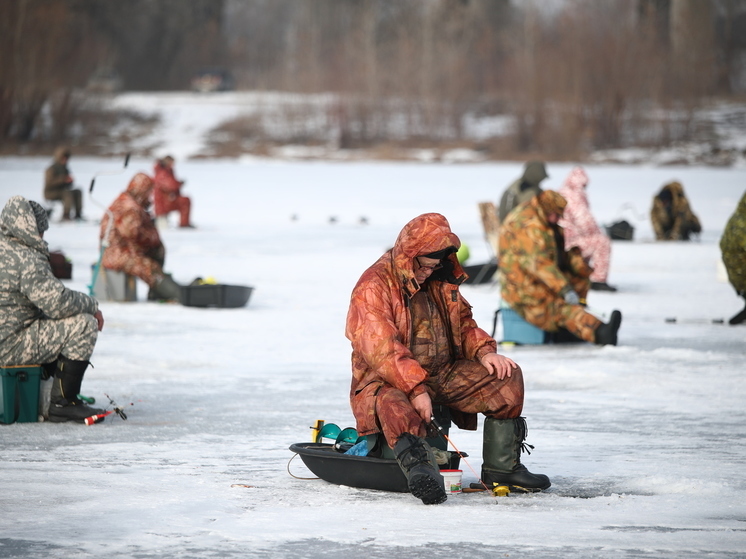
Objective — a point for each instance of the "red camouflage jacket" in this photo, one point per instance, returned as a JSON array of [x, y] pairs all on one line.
[[379, 321]]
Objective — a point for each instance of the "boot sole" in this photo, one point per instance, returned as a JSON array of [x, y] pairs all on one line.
[[428, 489]]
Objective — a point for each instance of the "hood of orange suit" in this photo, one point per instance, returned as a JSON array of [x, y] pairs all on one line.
[[549, 202], [423, 235], [140, 188]]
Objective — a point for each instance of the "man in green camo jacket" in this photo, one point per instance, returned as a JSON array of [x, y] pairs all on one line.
[[733, 246]]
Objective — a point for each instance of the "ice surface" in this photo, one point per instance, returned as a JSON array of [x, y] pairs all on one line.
[[644, 442]]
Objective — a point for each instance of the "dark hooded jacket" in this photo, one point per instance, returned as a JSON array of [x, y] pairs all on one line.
[[523, 189], [671, 215], [57, 176], [379, 320]]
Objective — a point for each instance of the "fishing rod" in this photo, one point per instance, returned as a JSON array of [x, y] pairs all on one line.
[[104, 173], [99, 417], [109, 223]]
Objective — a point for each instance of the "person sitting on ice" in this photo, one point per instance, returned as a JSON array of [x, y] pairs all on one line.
[[167, 196], [540, 280], [415, 344], [671, 215], [523, 189], [582, 231], [132, 243], [733, 247], [42, 320], [58, 185]]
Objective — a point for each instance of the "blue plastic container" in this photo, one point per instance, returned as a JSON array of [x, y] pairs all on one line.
[[518, 331]]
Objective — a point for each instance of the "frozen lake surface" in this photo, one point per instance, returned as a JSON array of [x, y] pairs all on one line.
[[644, 442]]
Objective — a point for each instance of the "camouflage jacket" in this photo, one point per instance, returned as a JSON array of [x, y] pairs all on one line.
[[28, 289], [57, 177], [733, 246], [675, 221], [577, 221], [56, 181], [133, 235], [533, 268], [166, 188], [523, 189], [379, 320]]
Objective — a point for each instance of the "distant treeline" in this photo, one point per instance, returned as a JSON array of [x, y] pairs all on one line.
[[573, 75]]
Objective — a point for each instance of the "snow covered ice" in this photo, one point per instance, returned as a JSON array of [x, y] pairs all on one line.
[[643, 442]]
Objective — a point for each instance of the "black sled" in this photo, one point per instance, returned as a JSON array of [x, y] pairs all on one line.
[[364, 472], [329, 462], [481, 273]]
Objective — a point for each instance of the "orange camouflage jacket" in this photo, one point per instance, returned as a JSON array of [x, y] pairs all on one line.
[[530, 271], [133, 234], [379, 321]]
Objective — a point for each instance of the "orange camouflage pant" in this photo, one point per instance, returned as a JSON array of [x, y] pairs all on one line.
[[465, 386], [556, 313]]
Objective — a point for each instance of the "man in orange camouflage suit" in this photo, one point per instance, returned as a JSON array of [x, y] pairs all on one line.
[[543, 282], [415, 344], [167, 195], [133, 245]]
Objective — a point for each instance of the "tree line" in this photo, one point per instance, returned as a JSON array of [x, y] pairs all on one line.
[[573, 76]]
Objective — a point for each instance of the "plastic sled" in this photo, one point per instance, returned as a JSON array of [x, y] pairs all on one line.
[[364, 472], [220, 296]]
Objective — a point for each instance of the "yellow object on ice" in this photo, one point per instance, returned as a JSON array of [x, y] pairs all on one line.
[[463, 253]]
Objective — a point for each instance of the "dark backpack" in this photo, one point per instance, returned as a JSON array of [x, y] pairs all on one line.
[[620, 231], [62, 268]]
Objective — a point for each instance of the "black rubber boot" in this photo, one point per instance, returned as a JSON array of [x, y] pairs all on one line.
[[503, 444], [602, 286], [165, 290], [740, 318], [64, 404], [417, 461], [606, 334]]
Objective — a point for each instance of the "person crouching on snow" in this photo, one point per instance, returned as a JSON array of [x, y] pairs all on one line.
[[42, 321], [672, 216], [134, 245], [415, 344], [541, 281]]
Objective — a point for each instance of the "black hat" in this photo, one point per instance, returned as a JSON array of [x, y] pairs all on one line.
[[42, 218], [440, 254]]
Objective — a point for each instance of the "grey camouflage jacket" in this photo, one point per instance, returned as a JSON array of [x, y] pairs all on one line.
[[28, 289]]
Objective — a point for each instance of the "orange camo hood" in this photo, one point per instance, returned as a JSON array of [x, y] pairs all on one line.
[[140, 188], [551, 202], [423, 235]]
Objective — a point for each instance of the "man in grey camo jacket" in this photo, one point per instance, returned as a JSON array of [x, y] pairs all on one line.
[[41, 320]]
